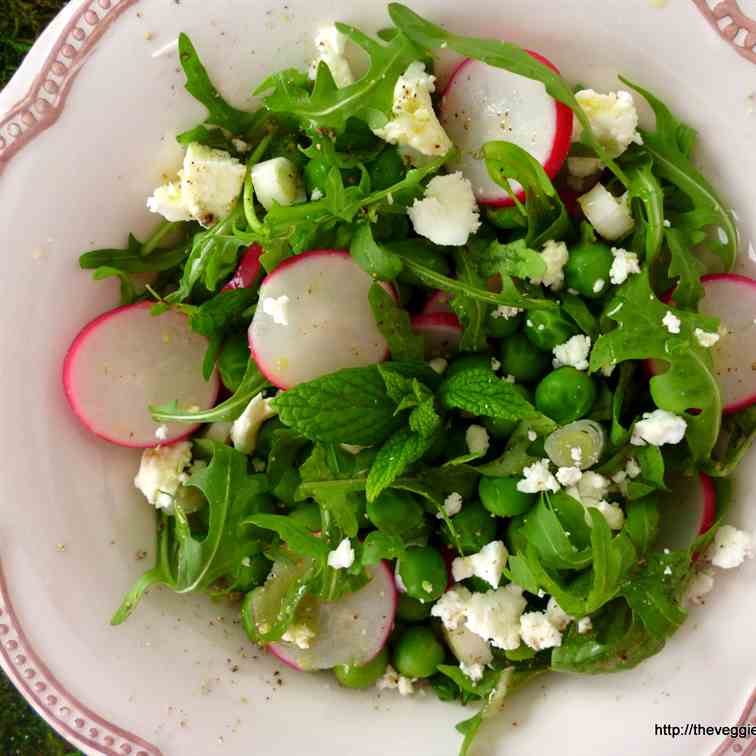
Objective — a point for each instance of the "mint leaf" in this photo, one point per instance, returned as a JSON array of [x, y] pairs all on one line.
[[370, 98], [372, 257], [672, 163], [481, 392], [198, 84], [403, 449], [424, 419], [394, 324], [689, 383]]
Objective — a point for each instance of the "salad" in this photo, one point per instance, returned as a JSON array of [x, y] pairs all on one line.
[[442, 389]]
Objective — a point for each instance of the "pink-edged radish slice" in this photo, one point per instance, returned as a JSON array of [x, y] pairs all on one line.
[[352, 630], [482, 103], [442, 332], [314, 318], [247, 271], [732, 299], [437, 302], [127, 359], [687, 511]]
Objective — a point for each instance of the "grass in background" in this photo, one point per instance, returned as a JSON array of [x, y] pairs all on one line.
[[22, 732]]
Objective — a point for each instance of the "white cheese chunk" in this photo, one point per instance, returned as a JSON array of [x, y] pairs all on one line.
[[161, 473], [342, 557], [488, 564], [613, 118], [730, 547], [331, 46], [658, 428], [246, 427], [574, 352], [277, 181], [537, 632]]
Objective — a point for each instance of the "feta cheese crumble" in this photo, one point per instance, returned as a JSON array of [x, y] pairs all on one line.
[[699, 586], [245, 428], [477, 439], [584, 626], [613, 118], [451, 607], [671, 322], [598, 285], [206, 189], [299, 635], [613, 514], [557, 616], [438, 365], [161, 473], [609, 215], [452, 505], [537, 478], [730, 547], [556, 256], [569, 476], [574, 352], [488, 564], [415, 123], [624, 264], [506, 312], [706, 339], [495, 616], [448, 213], [658, 428], [161, 433], [392, 680], [473, 671], [342, 557], [277, 181], [331, 46], [537, 632], [277, 308]]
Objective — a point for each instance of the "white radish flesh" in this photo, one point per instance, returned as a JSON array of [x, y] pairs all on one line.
[[442, 332], [352, 630], [609, 215], [483, 103], [314, 318], [467, 647], [127, 359], [732, 299]]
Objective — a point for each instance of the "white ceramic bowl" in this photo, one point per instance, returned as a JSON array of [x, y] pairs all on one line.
[[179, 676]]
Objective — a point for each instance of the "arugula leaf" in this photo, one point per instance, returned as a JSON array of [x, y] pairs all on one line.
[[213, 318], [544, 209], [577, 310], [618, 434], [645, 187], [285, 448], [514, 259], [403, 449], [651, 463], [689, 382], [500, 55], [128, 290], [510, 297], [370, 98], [480, 391], [234, 359], [394, 324], [317, 410], [294, 535], [740, 430], [484, 687], [198, 84], [132, 260], [471, 312], [372, 257], [252, 384], [212, 259], [687, 268], [642, 522], [673, 164]]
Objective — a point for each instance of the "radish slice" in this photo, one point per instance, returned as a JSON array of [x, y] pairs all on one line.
[[248, 271], [437, 302], [442, 332], [314, 318], [732, 299], [352, 630], [127, 359], [483, 103], [687, 511]]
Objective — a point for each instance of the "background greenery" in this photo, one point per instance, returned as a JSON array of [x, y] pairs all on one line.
[[22, 732]]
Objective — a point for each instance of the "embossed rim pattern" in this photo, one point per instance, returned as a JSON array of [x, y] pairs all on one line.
[[38, 110], [43, 103], [718, 11]]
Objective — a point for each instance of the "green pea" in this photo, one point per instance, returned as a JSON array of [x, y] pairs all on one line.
[[412, 610], [418, 652], [423, 572], [522, 360], [386, 170], [548, 328], [395, 512], [316, 175], [565, 395], [588, 266], [501, 497], [307, 514], [499, 427], [475, 527], [467, 362], [352, 676], [500, 328]]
